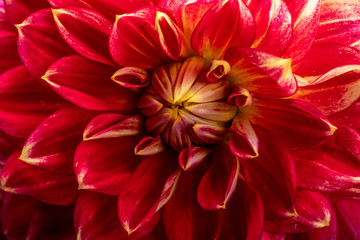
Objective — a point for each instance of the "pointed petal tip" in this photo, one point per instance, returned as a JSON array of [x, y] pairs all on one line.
[[323, 223]]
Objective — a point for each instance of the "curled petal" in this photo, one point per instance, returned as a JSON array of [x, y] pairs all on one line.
[[50, 187], [149, 146], [149, 189], [112, 125], [227, 24], [263, 74], [53, 143], [219, 70], [86, 31], [273, 25], [84, 83], [40, 43], [209, 133], [192, 156], [219, 182], [149, 105], [131, 77]]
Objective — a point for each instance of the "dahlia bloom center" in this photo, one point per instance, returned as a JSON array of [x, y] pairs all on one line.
[[184, 107]]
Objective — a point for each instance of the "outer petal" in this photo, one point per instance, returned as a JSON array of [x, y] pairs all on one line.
[[86, 31], [348, 117], [219, 182], [18, 10], [313, 211], [347, 213], [263, 74], [149, 189], [84, 83], [298, 124], [183, 218], [145, 39], [243, 218], [50, 187], [52, 145], [39, 42], [340, 22], [227, 24], [305, 20], [273, 175], [273, 25], [9, 57], [95, 217], [24, 103]]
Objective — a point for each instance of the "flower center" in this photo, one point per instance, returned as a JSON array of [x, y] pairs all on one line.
[[184, 108]]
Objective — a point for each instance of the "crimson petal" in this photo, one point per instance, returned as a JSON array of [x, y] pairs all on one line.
[[347, 213], [18, 10], [50, 187], [9, 57]]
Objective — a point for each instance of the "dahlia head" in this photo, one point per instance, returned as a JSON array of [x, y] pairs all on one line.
[[201, 119]]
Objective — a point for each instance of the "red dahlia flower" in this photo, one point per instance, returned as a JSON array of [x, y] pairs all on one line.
[[183, 119]]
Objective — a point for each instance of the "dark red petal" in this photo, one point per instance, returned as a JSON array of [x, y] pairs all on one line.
[[348, 117], [39, 42], [348, 140], [16, 213], [95, 217], [131, 77], [52, 145], [149, 146], [298, 124], [18, 10], [305, 23], [24, 103], [227, 24], [340, 22], [243, 217], [149, 189], [313, 211], [9, 57], [135, 39], [219, 182], [263, 74], [192, 156], [86, 31], [273, 26], [347, 213], [273, 175], [184, 218], [50, 187], [84, 83], [272, 236], [113, 158]]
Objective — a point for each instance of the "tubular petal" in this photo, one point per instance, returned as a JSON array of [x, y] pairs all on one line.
[[86, 31], [305, 23], [117, 163], [263, 74], [219, 182], [273, 25], [192, 156], [149, 189], [50, 187], [227, 24], [52, 144], [40, 43], [313, 211], [84, 82], [149, 146], [95, 217], [131, 77]]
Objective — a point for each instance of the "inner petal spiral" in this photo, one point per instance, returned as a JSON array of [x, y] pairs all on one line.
[[184, 108]]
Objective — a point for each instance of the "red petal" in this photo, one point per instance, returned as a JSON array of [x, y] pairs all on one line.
[[50, 187], [149, 146], [52, 145], [18, 10], [24, 103], [273, 175], [347, 213], [86, 31], [348, 117], [131, 77], [9, 57], [184, 218], [298, 124], [313, 211], [137, 41], [78, 80], [149, 189], [113, 158], [264, 75], [95, 217], [339, 22], [227, 24], [192, 156], [39, 42], [219, 182], [273, 25], [305, 20], [243, 218]]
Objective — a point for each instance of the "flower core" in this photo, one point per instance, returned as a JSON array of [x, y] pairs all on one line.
[[184, 108]]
